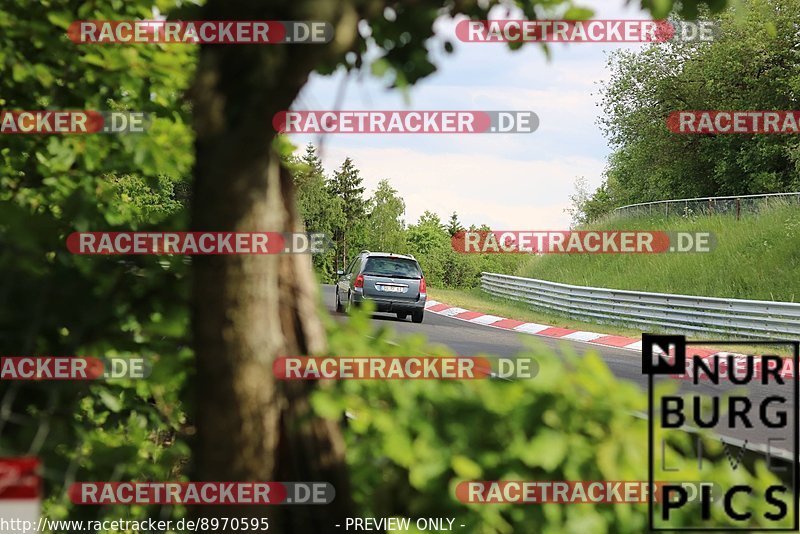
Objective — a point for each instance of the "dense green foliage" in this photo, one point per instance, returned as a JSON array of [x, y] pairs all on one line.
[[55, 303], [755, 258], [410, 443], [58, 304], [753, 65]]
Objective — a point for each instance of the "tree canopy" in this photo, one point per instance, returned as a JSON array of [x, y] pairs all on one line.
[[203, 384], [753, 65]]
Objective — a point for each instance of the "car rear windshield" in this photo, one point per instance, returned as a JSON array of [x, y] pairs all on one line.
[[397, 267]]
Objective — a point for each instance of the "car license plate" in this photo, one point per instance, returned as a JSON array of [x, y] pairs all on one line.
[[392, 289]]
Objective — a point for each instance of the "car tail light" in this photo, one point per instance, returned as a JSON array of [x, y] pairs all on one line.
[[422, 288], [359, 281]]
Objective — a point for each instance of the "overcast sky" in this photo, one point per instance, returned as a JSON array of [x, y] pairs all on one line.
[[508, 181]]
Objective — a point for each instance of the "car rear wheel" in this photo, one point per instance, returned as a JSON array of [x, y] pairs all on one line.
[[417, 315], [402, 315]]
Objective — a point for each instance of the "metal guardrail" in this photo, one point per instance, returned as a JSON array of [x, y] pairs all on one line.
[[734, 205], [667, 312]]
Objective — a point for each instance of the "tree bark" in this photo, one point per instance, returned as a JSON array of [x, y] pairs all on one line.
[[247, 310]]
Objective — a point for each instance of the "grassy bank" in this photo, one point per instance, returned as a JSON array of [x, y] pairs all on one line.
[[757, 257]]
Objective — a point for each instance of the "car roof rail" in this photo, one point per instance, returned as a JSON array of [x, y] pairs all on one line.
[[365, 251]]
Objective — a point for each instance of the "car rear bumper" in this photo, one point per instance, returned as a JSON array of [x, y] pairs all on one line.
[[389, 305]]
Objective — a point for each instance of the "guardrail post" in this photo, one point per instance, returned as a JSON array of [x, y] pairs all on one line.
[[738, 208]]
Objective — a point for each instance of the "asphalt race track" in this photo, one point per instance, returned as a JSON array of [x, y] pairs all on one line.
[[468, 339]]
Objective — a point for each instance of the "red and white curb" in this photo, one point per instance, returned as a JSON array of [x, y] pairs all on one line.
[[592, 338], [20, 490], [607, 340]]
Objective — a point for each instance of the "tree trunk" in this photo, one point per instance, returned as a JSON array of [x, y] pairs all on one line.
[[247, 310]]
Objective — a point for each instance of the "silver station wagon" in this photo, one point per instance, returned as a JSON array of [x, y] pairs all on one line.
[[394, 283]]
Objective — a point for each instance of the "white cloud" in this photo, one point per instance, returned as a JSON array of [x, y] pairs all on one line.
[[515, 181], [506, 194]]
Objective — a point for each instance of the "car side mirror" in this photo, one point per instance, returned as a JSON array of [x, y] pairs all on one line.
[[340, 272]]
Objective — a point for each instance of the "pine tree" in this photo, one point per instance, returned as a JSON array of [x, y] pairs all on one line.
[[454, 225], [320, 210], [346, 184]]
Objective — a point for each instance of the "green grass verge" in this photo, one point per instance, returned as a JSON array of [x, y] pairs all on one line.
[[757, 257]]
